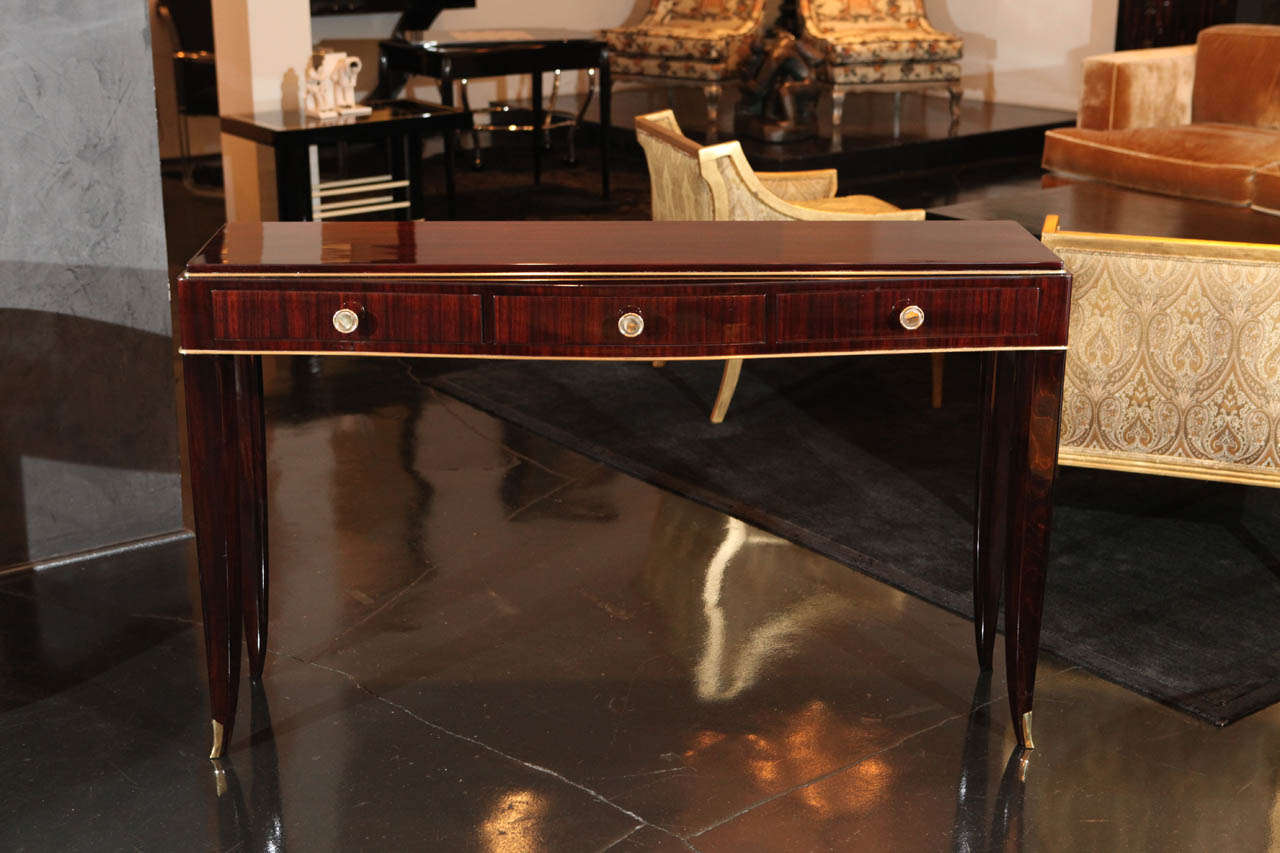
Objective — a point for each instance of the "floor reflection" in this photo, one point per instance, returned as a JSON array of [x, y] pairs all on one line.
[[256, 823], [980, 824]]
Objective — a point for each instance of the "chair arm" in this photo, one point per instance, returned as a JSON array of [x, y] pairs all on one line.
[[800, 186], [1138, 88]]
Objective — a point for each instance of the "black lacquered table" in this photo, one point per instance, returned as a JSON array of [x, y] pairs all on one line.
[[402, 124], [448, 56]]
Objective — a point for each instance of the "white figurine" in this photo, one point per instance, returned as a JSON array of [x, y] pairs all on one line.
[[344, 87], [320, 91]]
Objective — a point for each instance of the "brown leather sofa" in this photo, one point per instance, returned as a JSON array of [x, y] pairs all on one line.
[[1198, 121]]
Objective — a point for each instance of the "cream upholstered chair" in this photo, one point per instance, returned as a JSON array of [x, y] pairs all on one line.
[[880, 45], [690, 42], [1174, 362], [692, 181]]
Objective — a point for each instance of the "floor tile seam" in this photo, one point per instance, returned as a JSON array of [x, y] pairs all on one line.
[[540, 498], [448, 402], [537, 768], [331, 646], [800, 786]]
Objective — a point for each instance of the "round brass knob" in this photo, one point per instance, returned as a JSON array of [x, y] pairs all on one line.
[[631, 324], [345, 320], [912, 317]]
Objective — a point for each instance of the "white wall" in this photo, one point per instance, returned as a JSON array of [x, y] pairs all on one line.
[[1026, 51]]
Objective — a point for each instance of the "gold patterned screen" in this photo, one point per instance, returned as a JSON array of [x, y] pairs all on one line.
[[1173, 364]]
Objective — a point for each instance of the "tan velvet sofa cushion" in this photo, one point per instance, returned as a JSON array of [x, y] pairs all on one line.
[[1266, 188], [1238, 75], [1209, 161]]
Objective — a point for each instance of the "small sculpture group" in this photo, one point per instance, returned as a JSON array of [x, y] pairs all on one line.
[[331, 85], [779, 89]]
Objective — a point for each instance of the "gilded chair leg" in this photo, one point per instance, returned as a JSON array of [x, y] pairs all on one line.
[[659, 364], [955, 92], [712, 91], [728, 384], [938, 363]]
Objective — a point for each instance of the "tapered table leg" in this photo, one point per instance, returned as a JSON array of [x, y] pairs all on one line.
[[991, 529], [211, 393], [251, 449], [1035, 413]]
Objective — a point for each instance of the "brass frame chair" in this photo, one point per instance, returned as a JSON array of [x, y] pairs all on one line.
[[695, 182]]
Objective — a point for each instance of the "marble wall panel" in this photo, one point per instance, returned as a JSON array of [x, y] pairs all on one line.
[[88, 427]]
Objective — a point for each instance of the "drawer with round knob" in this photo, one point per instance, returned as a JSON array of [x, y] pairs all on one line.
[[658, 321], [318, 317], [903, 315]]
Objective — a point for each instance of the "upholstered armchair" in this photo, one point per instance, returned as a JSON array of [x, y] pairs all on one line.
[[690, 42], [691, 181], [1174, 363], [880, 45]]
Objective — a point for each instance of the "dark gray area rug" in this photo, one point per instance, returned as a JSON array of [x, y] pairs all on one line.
[[1168, 587]]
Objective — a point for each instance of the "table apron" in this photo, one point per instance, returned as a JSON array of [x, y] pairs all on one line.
[[668, 318]]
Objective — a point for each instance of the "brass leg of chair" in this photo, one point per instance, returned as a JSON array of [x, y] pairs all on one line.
[[712, 91], [956, 93], [939, 362], [728, 384], [659, 364], [837, 119]]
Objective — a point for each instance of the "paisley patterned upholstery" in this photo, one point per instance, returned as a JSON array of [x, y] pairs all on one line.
[[715, 34], [870, 44], [1174, 359], [892, 38]]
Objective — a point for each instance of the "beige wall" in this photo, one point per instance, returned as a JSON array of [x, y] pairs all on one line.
[[1026, 51]]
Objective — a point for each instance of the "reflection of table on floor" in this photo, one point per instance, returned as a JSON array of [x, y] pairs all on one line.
[[459, 55], [1106, 209], [622, 291], [401, 124]]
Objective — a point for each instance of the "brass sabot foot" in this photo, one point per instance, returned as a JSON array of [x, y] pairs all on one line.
[[1024, 731], [218, 745]]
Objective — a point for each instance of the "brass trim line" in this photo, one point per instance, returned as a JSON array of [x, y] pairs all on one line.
[[1191, 469], [661, 357], [522, 275]]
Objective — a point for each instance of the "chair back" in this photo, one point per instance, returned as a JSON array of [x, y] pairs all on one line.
[[675, 170], [1174, 363], [1237, 78], [711, 10], [827, 15]]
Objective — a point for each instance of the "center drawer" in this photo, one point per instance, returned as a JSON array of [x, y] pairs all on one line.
[[632, 321]]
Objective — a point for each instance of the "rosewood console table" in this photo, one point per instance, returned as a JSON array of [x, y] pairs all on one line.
[[622, 291]]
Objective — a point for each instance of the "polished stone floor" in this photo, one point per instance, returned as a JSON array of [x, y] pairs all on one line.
[[484, 641]]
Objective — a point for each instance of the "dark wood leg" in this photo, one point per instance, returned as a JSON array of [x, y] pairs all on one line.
[[1037, 392], [293, 183], [991, 529], [606, 119], [449, 191], [538, 113], [251, 443], [212, 414], [413, 169]]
